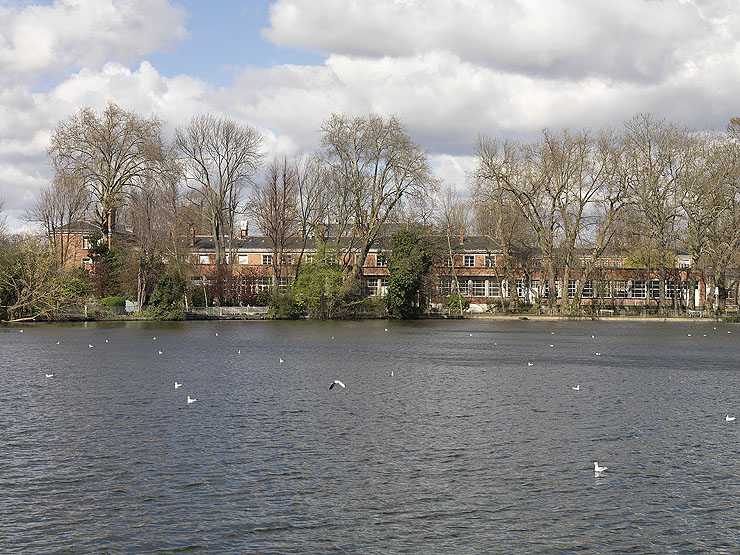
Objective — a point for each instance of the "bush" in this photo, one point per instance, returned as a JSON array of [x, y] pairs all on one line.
[[453, 302], [113, 301], [731, 319], [284, 306], [167, 296], [262, 299]]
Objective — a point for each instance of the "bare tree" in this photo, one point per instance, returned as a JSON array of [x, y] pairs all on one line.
[[453, 217], [107, 153], [272, 204], [58, 206], [374, 165], [3, 224], [219, 158], [655, 154], [497, 211]]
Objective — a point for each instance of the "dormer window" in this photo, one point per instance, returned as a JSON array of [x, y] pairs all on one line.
[[469, 261]]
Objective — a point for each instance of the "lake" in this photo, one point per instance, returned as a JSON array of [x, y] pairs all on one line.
[[477, 442]]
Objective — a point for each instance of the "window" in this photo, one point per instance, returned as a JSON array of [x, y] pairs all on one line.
[[262, 284], [308, 258], [447, 262], [520, 288], [204, 259], [283, 283], [620, 288], [371, 287], [464, 288], [266, 259], [286, 259], [603, 288], [380, 261], [469, 261], [243, 259], [494, 287], [534, 285], [478, 288], [638, 289], [444, 287], [330, 259], [654, 289], [86, 244], [383, 287], [588, 290], [572, 288], [490, 261], [87, 262], [670, 289]]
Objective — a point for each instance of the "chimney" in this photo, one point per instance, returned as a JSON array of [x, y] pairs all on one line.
[[462, 237], [243, 229], [192, 235]]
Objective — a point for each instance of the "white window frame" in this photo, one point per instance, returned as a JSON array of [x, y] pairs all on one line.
[[267, 260], [204, 259], [468, 261]]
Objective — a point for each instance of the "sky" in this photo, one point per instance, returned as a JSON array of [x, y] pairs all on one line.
[[449, 69]]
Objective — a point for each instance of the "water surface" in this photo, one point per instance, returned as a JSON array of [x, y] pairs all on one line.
[[466, 449]]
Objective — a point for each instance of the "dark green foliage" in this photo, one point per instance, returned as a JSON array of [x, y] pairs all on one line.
[[409, 263], [166, 299], [453, 302], [113, 301], [284, 306], [318, 289]]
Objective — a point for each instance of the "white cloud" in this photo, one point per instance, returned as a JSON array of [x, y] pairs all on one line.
[[449, 70], [629, 39], [38, 40]]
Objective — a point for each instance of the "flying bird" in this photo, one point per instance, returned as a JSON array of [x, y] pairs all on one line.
[[336, 382], [177, 385], [191, 400], [729, 418], [599, 469]]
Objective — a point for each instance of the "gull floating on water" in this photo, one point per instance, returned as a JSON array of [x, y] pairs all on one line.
[[57, 342], [391, 373], [576, 388], [177, 385], [386, 329], [89, 345], [281, 361], [191, 400], [336, 382], [216, 334], [598, 354], [593, 337], [106, 341], [239, 352], [599, 469], [551, 345], [21, 331], [688, 335], [153, 338], [160, 352], [530, 364], [729, 418], [49, 375]]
